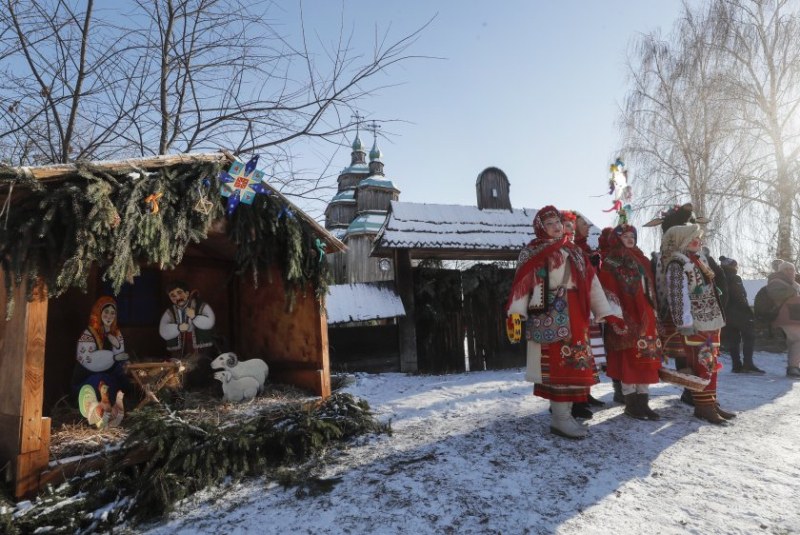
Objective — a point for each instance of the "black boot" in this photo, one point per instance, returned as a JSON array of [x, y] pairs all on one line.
[[633, 407], [595, 402], [581, 410], [687, 397], [618, 397], [736, 364], [644, 401], [749, 367]]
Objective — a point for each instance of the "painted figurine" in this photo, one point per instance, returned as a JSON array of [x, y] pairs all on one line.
[[187, 326], [99, 375]]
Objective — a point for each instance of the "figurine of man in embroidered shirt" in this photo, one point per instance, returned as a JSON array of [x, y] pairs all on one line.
[[187, 326]]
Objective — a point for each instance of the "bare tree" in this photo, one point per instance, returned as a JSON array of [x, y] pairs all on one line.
[[679, 134], [712, 116], [175, 76]]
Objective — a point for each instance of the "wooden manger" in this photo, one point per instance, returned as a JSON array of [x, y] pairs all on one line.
[[151, 377]]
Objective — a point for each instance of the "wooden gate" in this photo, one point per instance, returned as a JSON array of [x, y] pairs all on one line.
[[439, 320], [485, 291], [460, 313]]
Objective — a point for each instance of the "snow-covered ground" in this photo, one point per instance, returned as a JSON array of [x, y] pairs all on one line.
[[471, 453]]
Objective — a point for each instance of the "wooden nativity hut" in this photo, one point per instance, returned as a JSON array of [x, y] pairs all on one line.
[[72, 233]]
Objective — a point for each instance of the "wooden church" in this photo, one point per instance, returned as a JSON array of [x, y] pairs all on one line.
[[357, 212]]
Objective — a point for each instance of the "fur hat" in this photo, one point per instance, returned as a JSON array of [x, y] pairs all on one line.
[[783, 265], [726, 262], [679, 214]]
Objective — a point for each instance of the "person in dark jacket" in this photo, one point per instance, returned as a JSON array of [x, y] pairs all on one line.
[[738, 333]]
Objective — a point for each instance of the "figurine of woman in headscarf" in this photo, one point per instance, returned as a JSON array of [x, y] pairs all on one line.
[[101, 362]]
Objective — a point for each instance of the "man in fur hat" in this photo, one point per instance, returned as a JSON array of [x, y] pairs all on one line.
[[696, 313], [682, 214]]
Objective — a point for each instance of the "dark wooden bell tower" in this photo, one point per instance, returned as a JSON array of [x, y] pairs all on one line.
[[493, 188]]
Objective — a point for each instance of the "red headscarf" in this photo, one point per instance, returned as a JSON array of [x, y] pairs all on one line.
[[545, 252], [96, 321], [615, 249]]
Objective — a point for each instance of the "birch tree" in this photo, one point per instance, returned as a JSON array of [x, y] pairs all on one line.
[[759, 42]]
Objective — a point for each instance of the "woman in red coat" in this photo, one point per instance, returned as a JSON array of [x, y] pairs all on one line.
[[633, 356]]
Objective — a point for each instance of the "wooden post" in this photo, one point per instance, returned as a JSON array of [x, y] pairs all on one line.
[[24, 434], [406, 326]]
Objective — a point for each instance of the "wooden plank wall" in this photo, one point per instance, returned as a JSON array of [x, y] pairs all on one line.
[[340, 214], [371, 198], [24, 434], [360, 266], [293, 343]]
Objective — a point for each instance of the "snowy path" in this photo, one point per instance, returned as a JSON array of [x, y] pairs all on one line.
[[471, 453]]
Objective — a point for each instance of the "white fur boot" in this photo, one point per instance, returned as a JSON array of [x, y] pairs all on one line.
[[562, 423]]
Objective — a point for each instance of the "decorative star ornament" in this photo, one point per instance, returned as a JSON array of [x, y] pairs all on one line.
[[241, 183], [203, 206]]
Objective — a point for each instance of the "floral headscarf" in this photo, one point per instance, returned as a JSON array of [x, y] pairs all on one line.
[[96, 321]]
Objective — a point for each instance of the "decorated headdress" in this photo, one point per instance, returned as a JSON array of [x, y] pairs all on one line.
[[544, 213], [619, 230]]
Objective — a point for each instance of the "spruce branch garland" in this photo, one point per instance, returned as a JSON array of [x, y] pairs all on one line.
[[183, 457], [58, 230]]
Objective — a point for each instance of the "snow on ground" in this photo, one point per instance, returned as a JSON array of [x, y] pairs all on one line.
[[472, 453]]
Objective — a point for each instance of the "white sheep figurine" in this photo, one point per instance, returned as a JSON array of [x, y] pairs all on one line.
[[243, 389], [255, 368]]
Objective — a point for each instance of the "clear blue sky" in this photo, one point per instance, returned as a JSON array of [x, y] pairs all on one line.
[[531, 87]]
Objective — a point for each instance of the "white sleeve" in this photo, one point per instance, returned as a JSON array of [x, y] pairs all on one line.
[[520, 306], [121, 348], [167, 328], [205, 319], [598, 301], [90, 357]]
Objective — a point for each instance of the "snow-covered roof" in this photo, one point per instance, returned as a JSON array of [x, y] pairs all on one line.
[[348, 195], [355, 169], [372, 181], [362, 302], [366, 223], [449, 226]]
